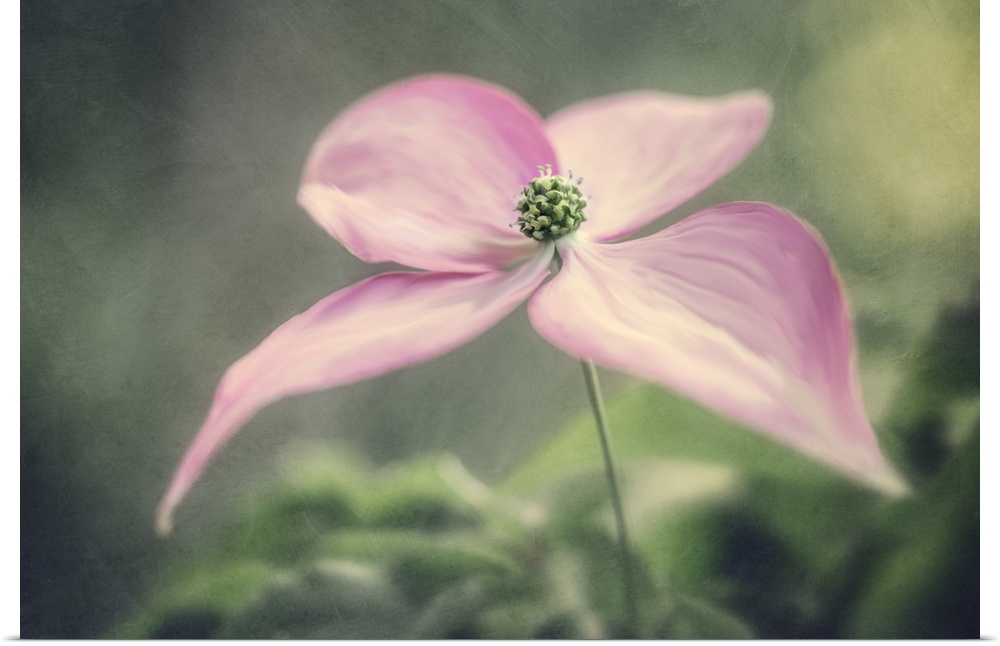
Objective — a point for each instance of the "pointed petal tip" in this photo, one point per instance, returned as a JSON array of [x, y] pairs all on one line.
[[164, 523], [644, 153], [757, 106], [766, 108], [762, 98], [890, 483], [380, 324], [739, 308]]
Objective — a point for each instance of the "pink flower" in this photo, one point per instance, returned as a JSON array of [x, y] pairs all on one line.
[[738, 307]]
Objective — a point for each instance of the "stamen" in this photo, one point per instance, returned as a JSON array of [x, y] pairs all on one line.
[[551, 206]]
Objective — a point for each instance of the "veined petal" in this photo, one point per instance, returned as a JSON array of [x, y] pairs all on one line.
[[738, 307], [426, 173], [643, 153], [362, 331]]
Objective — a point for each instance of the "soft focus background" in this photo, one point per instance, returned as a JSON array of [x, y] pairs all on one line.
[[160, 240]]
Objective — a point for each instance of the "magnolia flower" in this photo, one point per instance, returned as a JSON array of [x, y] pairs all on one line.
[[738, 307]]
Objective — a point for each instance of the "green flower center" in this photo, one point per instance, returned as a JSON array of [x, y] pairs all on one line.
[[551, 206]]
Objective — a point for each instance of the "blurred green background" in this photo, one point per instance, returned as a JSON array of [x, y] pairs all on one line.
[[161, 146]]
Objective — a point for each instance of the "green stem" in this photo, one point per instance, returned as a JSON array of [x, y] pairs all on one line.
[[624, 545]]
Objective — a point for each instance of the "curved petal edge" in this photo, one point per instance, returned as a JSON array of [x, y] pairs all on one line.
[[370, 328], [641, 154], [426, 173], [738, 307]]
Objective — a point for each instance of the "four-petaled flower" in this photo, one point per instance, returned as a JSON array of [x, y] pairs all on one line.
[[738, 307]]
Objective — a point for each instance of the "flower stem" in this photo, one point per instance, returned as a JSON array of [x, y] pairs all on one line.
[[624, 545]]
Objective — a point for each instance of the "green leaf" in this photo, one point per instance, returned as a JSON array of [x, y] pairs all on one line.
[[192, 602], [441, 556], [451, 614], [649, 422], [927, 587], [692, 618], [432, 494], [330, 600]]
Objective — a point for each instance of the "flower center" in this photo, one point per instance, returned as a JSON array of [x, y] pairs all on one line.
[[551, 206]]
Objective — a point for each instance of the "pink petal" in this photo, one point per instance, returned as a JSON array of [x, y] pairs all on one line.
[[738, 307], [426, 173], [362, 331], [644, 153]]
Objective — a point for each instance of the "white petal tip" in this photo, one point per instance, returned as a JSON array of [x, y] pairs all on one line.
[[891, 484], [164, 524]]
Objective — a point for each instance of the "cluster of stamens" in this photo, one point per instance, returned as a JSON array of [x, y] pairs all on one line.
[[551, 206]]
